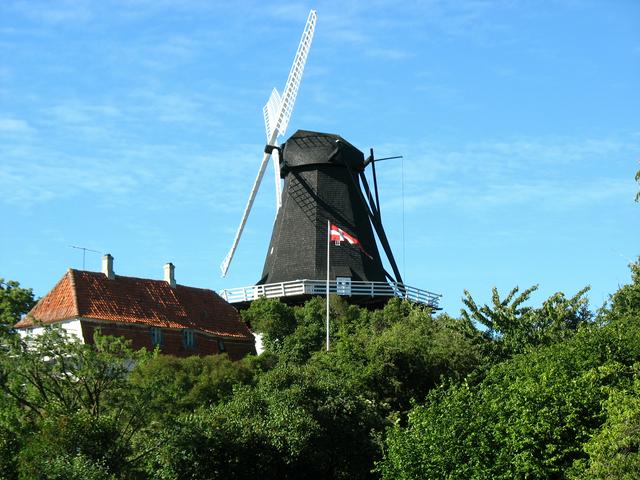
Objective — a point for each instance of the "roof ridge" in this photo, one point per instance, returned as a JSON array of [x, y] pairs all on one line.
[[158, 280], [74, 291], [196, 288]]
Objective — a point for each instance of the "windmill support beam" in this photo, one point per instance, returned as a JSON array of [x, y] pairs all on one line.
[[376, 220], [375, 181], [372, 205], [377, 224], [276, 172]]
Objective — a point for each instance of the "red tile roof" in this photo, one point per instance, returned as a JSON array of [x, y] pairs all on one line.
[[136, 300]]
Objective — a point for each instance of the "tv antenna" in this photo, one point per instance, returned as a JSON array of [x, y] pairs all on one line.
[[84, 253]]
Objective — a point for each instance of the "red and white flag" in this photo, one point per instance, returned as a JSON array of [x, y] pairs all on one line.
[[338, 235]]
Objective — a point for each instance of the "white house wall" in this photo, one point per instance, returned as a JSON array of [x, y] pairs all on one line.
[[258, 340], [72, 327]]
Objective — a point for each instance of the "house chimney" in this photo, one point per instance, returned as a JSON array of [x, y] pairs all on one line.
[[107, 266], [169, 276]]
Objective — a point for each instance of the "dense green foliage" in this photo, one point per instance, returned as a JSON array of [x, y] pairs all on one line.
[[514, 328], [528, 418], [14, 302], [508, 390], [567, 407], [69, 407]]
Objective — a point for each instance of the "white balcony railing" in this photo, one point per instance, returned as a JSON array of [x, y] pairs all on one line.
[[318, 287]]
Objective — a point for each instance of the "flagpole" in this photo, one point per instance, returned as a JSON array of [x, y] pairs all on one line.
[[328, 245]]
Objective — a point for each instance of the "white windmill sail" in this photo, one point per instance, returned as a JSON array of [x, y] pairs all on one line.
[[271, 111], [295, 76], [277, 113]]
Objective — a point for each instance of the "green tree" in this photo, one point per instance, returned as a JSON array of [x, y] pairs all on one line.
[[400, 360], [13, 429], [296, 422], [614, 452], [62, 399], [55, 371], [75, 444], [14, 302], [309, 333], [503, 316], [394, 354], [293, 333], [514, 327], [567, 409], [529, 418], [626, 301], [75, 467], [273, 319], [177, 385]]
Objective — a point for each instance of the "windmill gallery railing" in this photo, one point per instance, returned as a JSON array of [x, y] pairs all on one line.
[[318, 287]]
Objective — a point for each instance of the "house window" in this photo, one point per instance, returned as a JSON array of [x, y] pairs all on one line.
[[156, 336], [221, 347], [188, 339]]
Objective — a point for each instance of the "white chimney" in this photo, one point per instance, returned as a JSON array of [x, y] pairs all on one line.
[[107, 266], [169, 276]]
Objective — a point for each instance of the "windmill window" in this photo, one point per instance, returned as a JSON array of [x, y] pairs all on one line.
[[156, 336], [221, 347], [188, 338]]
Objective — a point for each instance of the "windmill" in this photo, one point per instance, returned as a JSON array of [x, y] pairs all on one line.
[[324, 184]]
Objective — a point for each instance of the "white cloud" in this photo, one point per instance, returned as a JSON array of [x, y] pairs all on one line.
[[14, 125], [128, 173], [76, 113], [290, 12], [539, 171], [388, 53], [61, 11]]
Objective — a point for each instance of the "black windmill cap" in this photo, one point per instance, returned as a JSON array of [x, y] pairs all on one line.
[[311, 148]]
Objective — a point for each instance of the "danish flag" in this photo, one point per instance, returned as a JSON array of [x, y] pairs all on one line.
[[338, 235]]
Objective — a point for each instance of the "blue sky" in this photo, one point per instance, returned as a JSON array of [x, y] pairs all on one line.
[[135, 127]]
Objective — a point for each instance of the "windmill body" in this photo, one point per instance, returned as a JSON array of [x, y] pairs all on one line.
[[321, 183]]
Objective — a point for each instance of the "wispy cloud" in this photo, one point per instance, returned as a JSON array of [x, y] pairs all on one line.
[[389, 53], [292, 12], [128, 174], [76, 113], [31, 176], [14, 126], [169, 107], [62, 11], [544, 172], [550, 195]]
